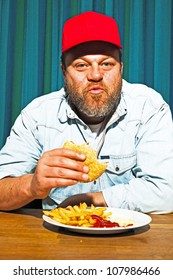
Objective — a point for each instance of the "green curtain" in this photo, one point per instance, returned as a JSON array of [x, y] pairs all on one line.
[[30, 47]]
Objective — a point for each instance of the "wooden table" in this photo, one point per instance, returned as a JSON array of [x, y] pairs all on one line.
[[25, 236]]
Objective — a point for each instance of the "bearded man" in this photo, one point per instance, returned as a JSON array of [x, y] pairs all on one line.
[[129, 125]]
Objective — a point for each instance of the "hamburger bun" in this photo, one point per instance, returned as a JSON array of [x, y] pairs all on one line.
[[96, 168]]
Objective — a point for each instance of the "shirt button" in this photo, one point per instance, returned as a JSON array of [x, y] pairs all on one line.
[[85, 127], [117, 168], [95, 182]]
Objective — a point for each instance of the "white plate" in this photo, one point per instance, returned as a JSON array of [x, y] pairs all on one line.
[[139, 220]]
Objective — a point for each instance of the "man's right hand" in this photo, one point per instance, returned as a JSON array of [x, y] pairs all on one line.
[[58, 168]]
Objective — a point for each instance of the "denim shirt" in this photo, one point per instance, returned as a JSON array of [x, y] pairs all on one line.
[[137, 142]]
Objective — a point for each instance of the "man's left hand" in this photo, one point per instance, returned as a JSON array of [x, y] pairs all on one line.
[[96, 199]]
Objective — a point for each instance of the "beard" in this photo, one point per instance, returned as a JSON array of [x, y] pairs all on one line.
[[95, 105]]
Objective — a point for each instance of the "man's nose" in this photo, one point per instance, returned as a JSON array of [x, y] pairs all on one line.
[[95, 73]]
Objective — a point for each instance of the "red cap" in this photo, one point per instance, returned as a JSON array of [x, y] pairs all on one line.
[[90, 26]]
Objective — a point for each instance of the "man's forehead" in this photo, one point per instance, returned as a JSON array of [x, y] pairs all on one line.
[[92, 48]]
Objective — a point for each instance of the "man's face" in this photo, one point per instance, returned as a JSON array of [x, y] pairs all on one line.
[[93, 77]]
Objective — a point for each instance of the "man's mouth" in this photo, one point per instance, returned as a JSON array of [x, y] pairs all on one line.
[[95, 90]]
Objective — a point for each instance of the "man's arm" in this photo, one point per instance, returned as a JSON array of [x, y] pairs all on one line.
[[150, 189], [15, 192]]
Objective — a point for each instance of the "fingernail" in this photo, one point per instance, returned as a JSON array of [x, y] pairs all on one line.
[[82, 156], [85, 177], [85, 168]]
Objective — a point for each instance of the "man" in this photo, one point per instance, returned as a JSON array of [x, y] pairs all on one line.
[[129, 125]]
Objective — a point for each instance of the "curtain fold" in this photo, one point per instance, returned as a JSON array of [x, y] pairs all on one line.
[[30, 47]]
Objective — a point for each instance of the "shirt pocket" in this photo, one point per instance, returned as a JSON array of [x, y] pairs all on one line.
[[119, 170], [121, 164]]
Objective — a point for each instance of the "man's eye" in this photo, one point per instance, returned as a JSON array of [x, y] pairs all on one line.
[[107, 65], [81, 66]]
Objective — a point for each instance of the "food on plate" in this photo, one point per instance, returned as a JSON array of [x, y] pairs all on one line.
[[96, 168], [84, 216]]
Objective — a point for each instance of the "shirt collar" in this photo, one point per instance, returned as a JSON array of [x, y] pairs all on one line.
[[66, 112]]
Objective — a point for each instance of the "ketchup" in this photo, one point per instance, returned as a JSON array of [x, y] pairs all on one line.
[[101, 223]]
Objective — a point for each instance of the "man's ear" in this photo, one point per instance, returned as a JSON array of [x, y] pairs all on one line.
[[63, 69], [122, 67]]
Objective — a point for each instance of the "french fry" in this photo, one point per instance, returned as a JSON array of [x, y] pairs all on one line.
[[84, 216], [78, 215], [64, 215]]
